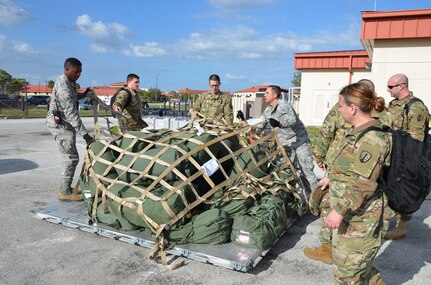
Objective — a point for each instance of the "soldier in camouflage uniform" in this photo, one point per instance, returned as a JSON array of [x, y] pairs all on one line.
[[415, 123], [332, 133], [292, 133], [214, 104], [64, 123], [131, 118], [355, 198], [324, 147]]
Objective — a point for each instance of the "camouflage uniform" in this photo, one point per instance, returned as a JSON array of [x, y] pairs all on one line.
[[324, 147], [416, 120], [354, 173], [215, 106], [132, 114], [331, 133], [415, 123], [65, 99], [294, 137]]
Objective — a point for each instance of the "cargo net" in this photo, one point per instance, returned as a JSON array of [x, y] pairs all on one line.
[[191, 185]]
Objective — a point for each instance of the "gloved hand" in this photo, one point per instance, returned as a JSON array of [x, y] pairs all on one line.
[[88, 139], [274, 123], [88, 91], [240, 115]]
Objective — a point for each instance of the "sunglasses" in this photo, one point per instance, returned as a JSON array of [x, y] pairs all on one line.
[[392, 86]]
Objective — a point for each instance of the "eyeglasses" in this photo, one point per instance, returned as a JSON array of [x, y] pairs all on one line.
[[392, 86], [215, 85]]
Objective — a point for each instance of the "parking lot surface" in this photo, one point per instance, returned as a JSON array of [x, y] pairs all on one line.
[[33, 251]]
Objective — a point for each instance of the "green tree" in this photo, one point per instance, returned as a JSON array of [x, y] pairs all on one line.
[[5, 79], [16, 85], [296, 81], [51, 83]]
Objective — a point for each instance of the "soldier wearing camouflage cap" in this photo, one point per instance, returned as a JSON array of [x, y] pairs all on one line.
[[415, 123], [131, 114]]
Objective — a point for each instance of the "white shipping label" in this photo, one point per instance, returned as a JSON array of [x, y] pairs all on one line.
[[211, 166]]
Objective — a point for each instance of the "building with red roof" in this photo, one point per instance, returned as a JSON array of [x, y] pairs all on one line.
[[394, 42]]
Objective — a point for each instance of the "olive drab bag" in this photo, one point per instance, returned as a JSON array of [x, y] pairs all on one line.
[[406, 182], [261, 225]]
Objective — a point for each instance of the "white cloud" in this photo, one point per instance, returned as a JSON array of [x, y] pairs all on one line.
[[23, 48], [11, 14], [105, 36], [245, 43], [149, 49], [235, 77]]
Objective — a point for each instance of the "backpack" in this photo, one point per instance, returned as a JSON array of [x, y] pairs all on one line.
[[406, 182], [114, 97]]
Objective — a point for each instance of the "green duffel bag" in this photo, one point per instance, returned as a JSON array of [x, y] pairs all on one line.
[[154, 209], [106, 158], [131, 141], [210, 227], [235, 207], [193, 141], [292, 204], [245, 160], [169, 156], [260, 226], [109, 218]]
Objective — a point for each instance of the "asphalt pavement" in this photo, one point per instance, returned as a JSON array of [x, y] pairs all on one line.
[[33, 251]]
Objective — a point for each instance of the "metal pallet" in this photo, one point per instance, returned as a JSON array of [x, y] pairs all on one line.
[[229, 255]]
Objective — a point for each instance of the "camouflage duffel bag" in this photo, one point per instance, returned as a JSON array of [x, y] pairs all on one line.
[[210, 227], [260, 226]]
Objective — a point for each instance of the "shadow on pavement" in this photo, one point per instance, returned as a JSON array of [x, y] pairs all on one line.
[[16, 165]]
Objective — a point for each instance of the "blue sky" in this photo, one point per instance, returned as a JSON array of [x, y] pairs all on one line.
[[178, 44]]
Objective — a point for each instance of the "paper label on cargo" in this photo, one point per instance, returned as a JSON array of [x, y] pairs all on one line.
[[255, 121], [211, 166], [243, 237], [87, 194]]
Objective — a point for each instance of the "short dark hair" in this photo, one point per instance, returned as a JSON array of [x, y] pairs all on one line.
[[214, 77], [132, 76], [276, 89], [72, 62]]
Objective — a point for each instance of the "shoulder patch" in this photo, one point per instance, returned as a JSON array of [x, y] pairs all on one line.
[[365, 156], [420, 117]]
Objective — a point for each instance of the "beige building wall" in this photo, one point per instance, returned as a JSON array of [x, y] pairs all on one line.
[[411, 57], [319, 92]]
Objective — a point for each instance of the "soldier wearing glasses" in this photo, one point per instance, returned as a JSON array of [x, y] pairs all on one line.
[[214, 104], [415, 122]]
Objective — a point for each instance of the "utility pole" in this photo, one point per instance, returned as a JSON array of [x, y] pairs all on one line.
[[157, 83]]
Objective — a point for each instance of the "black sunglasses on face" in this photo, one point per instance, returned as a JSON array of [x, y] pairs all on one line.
[[392, 86]]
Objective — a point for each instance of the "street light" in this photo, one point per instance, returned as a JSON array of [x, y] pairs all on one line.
[[157, 82]]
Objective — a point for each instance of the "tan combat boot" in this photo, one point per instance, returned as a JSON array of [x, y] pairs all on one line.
[[69, 195], [322, 253], [400, 231]]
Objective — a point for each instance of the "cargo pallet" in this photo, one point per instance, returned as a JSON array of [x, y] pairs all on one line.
[[229, 255]]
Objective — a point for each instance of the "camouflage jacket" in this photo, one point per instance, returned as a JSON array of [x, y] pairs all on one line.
[[65, 98], [356, 168], [132, 114], [292, 132], [333, 130], [215, 106], [416, 120]]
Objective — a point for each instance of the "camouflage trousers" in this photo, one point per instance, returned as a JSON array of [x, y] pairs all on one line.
[[303, 163], [354, 248], [65, 137], [325, 234]]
